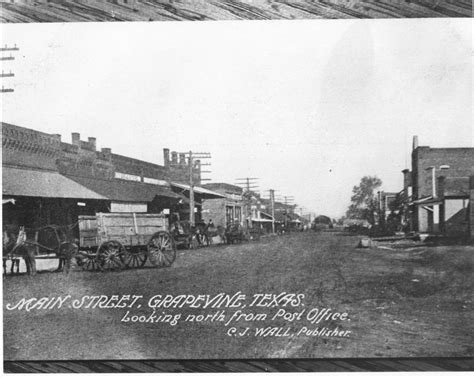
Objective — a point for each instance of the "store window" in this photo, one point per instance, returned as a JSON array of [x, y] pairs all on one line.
[[238, 213], [229, 215]]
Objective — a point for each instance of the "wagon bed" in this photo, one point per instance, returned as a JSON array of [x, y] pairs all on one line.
[[117, 240], [130, 229]]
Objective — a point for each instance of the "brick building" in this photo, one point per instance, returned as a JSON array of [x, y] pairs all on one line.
[[454, 195], [385, 201], [48, 181], [227, 210], [437, 189]]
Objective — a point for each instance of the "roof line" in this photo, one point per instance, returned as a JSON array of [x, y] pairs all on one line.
[[24, 168]]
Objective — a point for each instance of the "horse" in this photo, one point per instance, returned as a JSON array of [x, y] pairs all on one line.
[[64, 244], [30, 243], [14, 247], [207, 231], [234, 232], [58, 240], [8, 244]]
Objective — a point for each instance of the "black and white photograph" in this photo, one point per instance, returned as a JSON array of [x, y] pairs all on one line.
[[279, 181]]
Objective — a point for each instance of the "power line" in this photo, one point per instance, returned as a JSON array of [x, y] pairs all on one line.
[[10, 74], [5, 58], [6, 48], [248, 183], [287, 203]]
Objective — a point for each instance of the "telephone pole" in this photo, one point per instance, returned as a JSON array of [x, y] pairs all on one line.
[[3, 58], [192, 158], [249, 184], [288, 199], [272, 201]]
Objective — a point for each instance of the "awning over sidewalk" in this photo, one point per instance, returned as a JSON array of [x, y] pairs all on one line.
[[262, 220], [429, 200], [126, 191], [265, 215], [47, 184], [204, 193]]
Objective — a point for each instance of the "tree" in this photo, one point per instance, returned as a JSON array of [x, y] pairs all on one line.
[[396, 220], [364, 201]]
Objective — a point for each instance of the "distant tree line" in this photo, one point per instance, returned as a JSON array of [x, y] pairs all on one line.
[[364, 200], [364, 206]]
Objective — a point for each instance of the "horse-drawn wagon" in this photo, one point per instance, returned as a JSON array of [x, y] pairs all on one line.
[[185, 235], [118, 240]]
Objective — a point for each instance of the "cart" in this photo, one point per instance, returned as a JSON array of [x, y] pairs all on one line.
[[234, 232], [110, 241], [185, 235]]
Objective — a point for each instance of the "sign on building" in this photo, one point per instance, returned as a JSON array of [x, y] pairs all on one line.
[[149, 180], [128, 177], [122, 207]]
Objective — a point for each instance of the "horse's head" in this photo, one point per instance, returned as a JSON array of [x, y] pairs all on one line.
[[6, 239], [21, 235], [9, 238]]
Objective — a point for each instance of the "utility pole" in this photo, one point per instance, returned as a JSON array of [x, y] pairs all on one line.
[[3, 58], [272, 200], [272, 203], [287, 200], [249, 184], [192, 158]]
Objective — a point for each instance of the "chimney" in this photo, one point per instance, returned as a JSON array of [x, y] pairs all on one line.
[[182, 159], [76, 139], [106, 154], [174, 158], [92, 143], [406, 178], [166, 157], [415, 142]]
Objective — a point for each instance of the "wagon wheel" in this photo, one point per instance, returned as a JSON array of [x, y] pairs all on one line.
[[161, 249], [136, 258], [87, 261], [111, 255]]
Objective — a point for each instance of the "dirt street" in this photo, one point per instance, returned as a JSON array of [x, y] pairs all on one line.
[[404, 303]]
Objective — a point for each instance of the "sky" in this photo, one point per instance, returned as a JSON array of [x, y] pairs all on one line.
[[308, 107]]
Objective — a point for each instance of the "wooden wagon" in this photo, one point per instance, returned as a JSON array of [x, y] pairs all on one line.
[[118, 240], [234, 232]]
